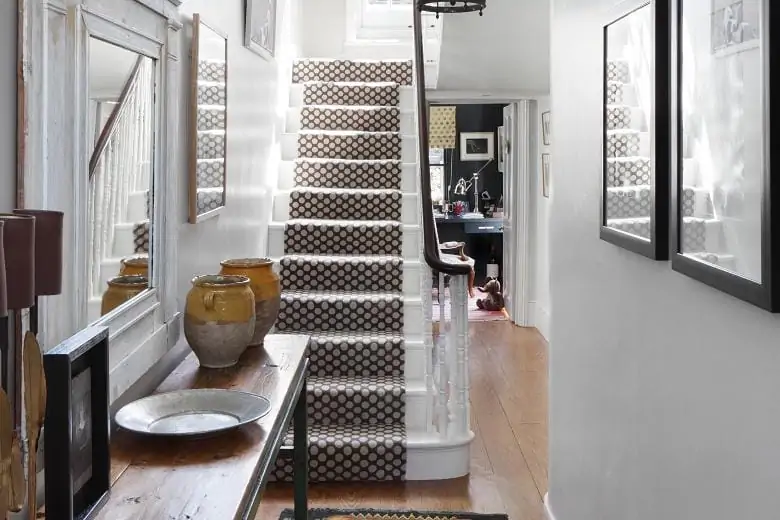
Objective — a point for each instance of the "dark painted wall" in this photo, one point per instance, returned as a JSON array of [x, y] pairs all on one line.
[[477, 118]]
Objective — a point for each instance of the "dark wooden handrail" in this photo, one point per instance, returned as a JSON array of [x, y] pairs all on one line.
[[431, 251], [113, 119]]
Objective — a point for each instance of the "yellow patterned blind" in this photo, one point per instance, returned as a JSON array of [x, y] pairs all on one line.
[[442, 127]]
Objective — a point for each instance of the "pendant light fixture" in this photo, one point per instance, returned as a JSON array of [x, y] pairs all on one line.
[[452, 6]]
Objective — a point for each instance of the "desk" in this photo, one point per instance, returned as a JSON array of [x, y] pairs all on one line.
[[475, 226], [481, 235], [221, 477]]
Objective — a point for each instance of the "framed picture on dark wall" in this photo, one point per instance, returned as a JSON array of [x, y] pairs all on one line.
[[725, 225], [477, 146], [636, 170]]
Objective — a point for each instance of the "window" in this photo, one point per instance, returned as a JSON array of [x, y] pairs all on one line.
[[436, 157], [384, 20], [387, 14]]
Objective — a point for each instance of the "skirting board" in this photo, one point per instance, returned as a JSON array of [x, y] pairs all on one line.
[[540, 318], [547, 509]]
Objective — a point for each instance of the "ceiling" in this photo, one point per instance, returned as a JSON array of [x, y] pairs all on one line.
[[507, 49], [109, 68]]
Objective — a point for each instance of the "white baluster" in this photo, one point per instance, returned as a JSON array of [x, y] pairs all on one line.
[[441, 359], [459, 355]]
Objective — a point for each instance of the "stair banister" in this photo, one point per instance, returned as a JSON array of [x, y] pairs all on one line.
[[447, 379]]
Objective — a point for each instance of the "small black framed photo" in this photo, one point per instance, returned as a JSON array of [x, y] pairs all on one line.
[[546, 131], [635, 196], [77, 453]]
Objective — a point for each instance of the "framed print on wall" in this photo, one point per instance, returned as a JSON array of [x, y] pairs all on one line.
[[636, 176], [726, 229], [260, 29], [477, 146]]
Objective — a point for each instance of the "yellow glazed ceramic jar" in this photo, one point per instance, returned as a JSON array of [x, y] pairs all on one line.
[[135, 265], [219, 319], [266, 288], [122, 289]]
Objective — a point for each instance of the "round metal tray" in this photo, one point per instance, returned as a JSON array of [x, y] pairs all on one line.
[[188, 413]]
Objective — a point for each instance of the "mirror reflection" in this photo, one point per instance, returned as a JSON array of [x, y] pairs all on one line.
[[209, 121], [628, 112], [722, 117], [121, 141]]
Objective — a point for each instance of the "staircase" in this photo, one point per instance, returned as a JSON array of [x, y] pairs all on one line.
[[629, 190], [120, 176], [344, 217]]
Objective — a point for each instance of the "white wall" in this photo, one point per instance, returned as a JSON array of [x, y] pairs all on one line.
[[7, 104], [663, 391], [540, 303], [258, 93], [506, 50], [324, 28]]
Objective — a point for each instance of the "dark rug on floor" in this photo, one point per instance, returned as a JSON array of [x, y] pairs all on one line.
[[370, 514]]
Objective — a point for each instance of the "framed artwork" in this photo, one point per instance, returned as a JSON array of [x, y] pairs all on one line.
[[546, 128], [77, 453], [546, 175], [208, 116], [477, 146], [260, 28], [724, 223], [636, 174], [501, 149]]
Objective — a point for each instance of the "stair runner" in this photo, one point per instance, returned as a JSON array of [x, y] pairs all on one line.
[[342, 271], [629, 170]]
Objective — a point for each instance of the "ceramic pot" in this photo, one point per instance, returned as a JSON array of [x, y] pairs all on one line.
[[219, 319], [265, 286], [19, 246], [137, 265], [48, 250], [122, 289]]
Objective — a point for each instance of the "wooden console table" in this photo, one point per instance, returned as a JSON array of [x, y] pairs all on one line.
[[222, 477]]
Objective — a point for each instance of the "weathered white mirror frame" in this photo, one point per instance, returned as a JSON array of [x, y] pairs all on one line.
[[54, 158]]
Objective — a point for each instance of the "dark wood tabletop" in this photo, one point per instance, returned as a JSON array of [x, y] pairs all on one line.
[[216, 478]]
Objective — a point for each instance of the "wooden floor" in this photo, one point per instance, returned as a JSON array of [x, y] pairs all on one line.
[[508, 457]]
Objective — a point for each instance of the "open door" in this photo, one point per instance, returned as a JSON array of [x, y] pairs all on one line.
[[516, 147], [505, 150]]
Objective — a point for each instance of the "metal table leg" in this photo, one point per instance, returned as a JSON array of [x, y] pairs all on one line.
[[301, 457]]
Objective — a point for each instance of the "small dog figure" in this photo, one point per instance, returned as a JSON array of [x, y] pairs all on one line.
[[494, 300]]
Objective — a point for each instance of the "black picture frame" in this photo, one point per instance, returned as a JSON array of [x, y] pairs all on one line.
[[77, 454], [656, 245], [766, 293]]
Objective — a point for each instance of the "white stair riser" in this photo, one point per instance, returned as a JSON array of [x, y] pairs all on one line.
[[408, 212], [123, 241], [287, 176], [294, 121], [406, 104], [136, 206], [411, 241], [416, 400], [415, 360], [290, 148]]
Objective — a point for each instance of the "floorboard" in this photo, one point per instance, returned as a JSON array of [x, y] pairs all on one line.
[[508, 456]]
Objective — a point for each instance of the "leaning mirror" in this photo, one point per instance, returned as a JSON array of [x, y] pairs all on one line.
[[120, 134], [726, 222], [635, 184], [208, 121]]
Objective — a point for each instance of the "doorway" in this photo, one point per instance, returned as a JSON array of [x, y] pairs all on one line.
[[478, 189]]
